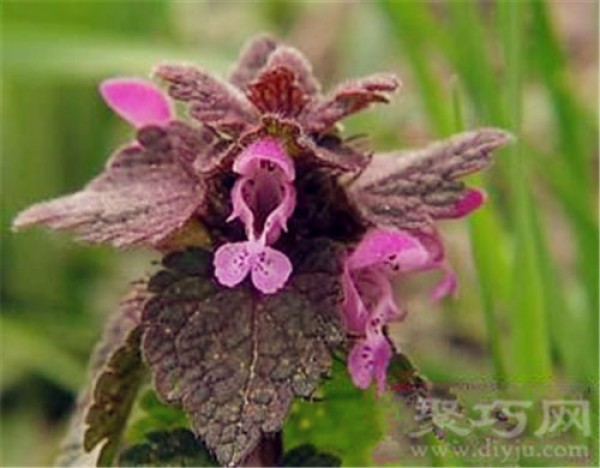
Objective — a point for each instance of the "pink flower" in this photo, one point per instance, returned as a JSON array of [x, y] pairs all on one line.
[[368, 297], [263, 199], [269, 268], [139, 102]]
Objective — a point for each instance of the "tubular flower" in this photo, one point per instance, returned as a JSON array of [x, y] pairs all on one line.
[[259, 163], [368, 298], [263, 198]]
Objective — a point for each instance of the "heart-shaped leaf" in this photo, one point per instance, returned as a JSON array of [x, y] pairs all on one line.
[[234, 358]]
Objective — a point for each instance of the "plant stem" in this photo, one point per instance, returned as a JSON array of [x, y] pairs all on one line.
[[268, 452]]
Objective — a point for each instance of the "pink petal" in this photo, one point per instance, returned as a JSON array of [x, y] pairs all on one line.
[[447, 286], [262, 152], [241, 193], [232, 263], [271, 270], [252, 198], [471, 200], [277, 219], [139, 102], [369, 360], [354, 312], [398, 249]]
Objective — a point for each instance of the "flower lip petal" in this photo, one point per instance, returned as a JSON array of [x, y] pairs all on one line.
[[232, 263], [268, 150], [270, 270], [137, 101], [399, 249], [369, 360]]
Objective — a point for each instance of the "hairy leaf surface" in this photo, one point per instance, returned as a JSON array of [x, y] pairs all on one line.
[[143, 195], [233, 358], [411, 189]]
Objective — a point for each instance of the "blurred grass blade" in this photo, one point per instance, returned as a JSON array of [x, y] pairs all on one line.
[[413, 27], [25, 348], [29, 52], [471, 60], [492, 265], [577, 131], [572, 120], [529, 332]]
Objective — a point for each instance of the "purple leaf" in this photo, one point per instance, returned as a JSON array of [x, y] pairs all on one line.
[[115, 373], [212, 101], [253, 57], [233, 359], [332, 152], [276, 91], [347, 99], [296, 62], [142, 197], [409, 190]]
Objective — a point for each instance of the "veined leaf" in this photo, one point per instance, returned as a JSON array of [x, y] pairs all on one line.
[[235, 359]]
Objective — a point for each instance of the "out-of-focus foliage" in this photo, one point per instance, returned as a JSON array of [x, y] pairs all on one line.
[[528, 308]]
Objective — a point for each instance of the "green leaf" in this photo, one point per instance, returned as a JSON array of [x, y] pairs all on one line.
[[153, 415], [233, 358], [116, 372], [26, 349], [344, 421], [168, 448]]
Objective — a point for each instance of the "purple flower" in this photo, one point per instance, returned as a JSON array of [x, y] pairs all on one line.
[[368, 300], [263, 198], [137, 101]]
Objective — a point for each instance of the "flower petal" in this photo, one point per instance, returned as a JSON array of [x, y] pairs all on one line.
[[447, 286], [369, 360], [469, 202], [399, 250], [262, 152], [242, 195], [263, 204], [139, 102], [232, 262], [271, 270], [354, 312], [276, 222]]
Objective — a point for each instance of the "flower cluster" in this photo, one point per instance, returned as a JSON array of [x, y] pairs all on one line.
[[262, 164]]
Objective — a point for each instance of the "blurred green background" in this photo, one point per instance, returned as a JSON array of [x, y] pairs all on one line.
[[527, 263]]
